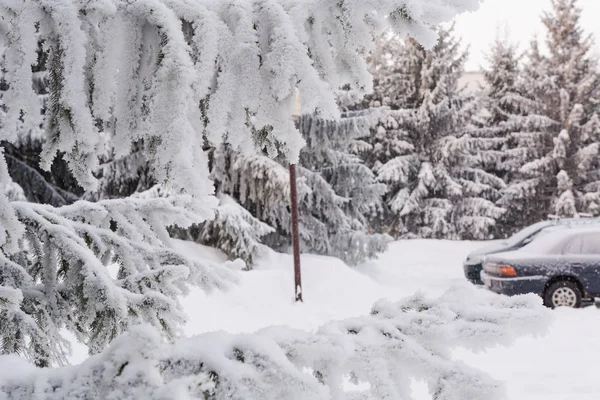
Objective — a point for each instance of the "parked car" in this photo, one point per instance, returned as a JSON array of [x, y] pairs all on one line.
[[560, 265], [473, 264]]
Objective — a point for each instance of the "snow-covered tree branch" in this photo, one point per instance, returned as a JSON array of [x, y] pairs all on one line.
[[130, 70], [383, 351], [96, 269]]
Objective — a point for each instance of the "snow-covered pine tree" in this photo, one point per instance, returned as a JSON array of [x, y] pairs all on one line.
[[328, 156], [95, 269], [526, 197], [560, 142], [396, 67], [438, 185], [574, 104], [336, 190], [499, 123], [260, 185], [503, 99]]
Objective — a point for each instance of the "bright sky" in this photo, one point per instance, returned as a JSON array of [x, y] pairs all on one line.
[[521, 17]]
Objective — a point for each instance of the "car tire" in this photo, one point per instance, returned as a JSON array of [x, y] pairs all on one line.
[[563, 294]]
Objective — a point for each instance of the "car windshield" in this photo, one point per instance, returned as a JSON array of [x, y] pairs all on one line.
[[548, 241], [527, 232]]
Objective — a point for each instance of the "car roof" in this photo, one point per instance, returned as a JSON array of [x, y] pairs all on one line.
[[553, 236], [574, 221]]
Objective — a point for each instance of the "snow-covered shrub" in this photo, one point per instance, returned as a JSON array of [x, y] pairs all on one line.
[[96, 269], [398, 341]]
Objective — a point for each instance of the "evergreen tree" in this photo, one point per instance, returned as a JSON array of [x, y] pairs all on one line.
[[526, 197], [328, 157], [438, 187], [560, 139], [502, 120], [336, 191], [395, 67], [95, 269]]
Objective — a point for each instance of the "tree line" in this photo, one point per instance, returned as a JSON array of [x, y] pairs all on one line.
[[417, 157]]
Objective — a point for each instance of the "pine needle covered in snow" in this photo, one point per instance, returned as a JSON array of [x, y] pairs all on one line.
[[141, 72], [96, 269], [412, 338]]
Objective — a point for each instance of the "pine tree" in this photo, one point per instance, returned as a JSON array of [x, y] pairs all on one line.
[[501, 122], [561, 158], [95, 269], [336, 190], [396, 68], [438, 183], [328, 157], [526, 198]]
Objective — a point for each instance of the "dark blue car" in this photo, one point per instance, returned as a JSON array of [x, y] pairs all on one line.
[[560, 265], [474, 263]]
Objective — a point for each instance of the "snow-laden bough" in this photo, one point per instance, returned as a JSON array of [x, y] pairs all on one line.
[[380, 353]]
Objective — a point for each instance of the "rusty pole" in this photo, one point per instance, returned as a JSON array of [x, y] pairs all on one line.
[[294, 208], [295, 233]]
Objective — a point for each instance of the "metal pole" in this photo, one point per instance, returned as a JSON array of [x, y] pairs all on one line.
[[295, 233]]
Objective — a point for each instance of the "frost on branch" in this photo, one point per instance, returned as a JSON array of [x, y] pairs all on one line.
[[398, 341], [128, 69], [96, 269]]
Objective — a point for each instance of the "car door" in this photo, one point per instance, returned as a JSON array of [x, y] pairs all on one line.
[[582, 258]]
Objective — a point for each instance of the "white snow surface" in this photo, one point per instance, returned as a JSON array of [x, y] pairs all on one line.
[[557, 366]]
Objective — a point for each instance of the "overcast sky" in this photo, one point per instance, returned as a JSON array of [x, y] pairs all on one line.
[[521, 17]]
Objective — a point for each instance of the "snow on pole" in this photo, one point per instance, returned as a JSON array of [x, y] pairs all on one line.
[[294, 211]]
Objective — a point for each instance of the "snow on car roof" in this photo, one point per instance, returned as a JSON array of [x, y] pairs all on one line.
[[549, 224], [551, 239]]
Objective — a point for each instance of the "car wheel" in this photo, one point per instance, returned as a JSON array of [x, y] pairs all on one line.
[[563, 294]]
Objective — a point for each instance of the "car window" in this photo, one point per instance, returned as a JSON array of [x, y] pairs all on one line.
[[584, 243], [590, 243], [573, 245]]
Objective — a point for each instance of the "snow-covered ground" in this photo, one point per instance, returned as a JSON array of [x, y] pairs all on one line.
[[559, 366]]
